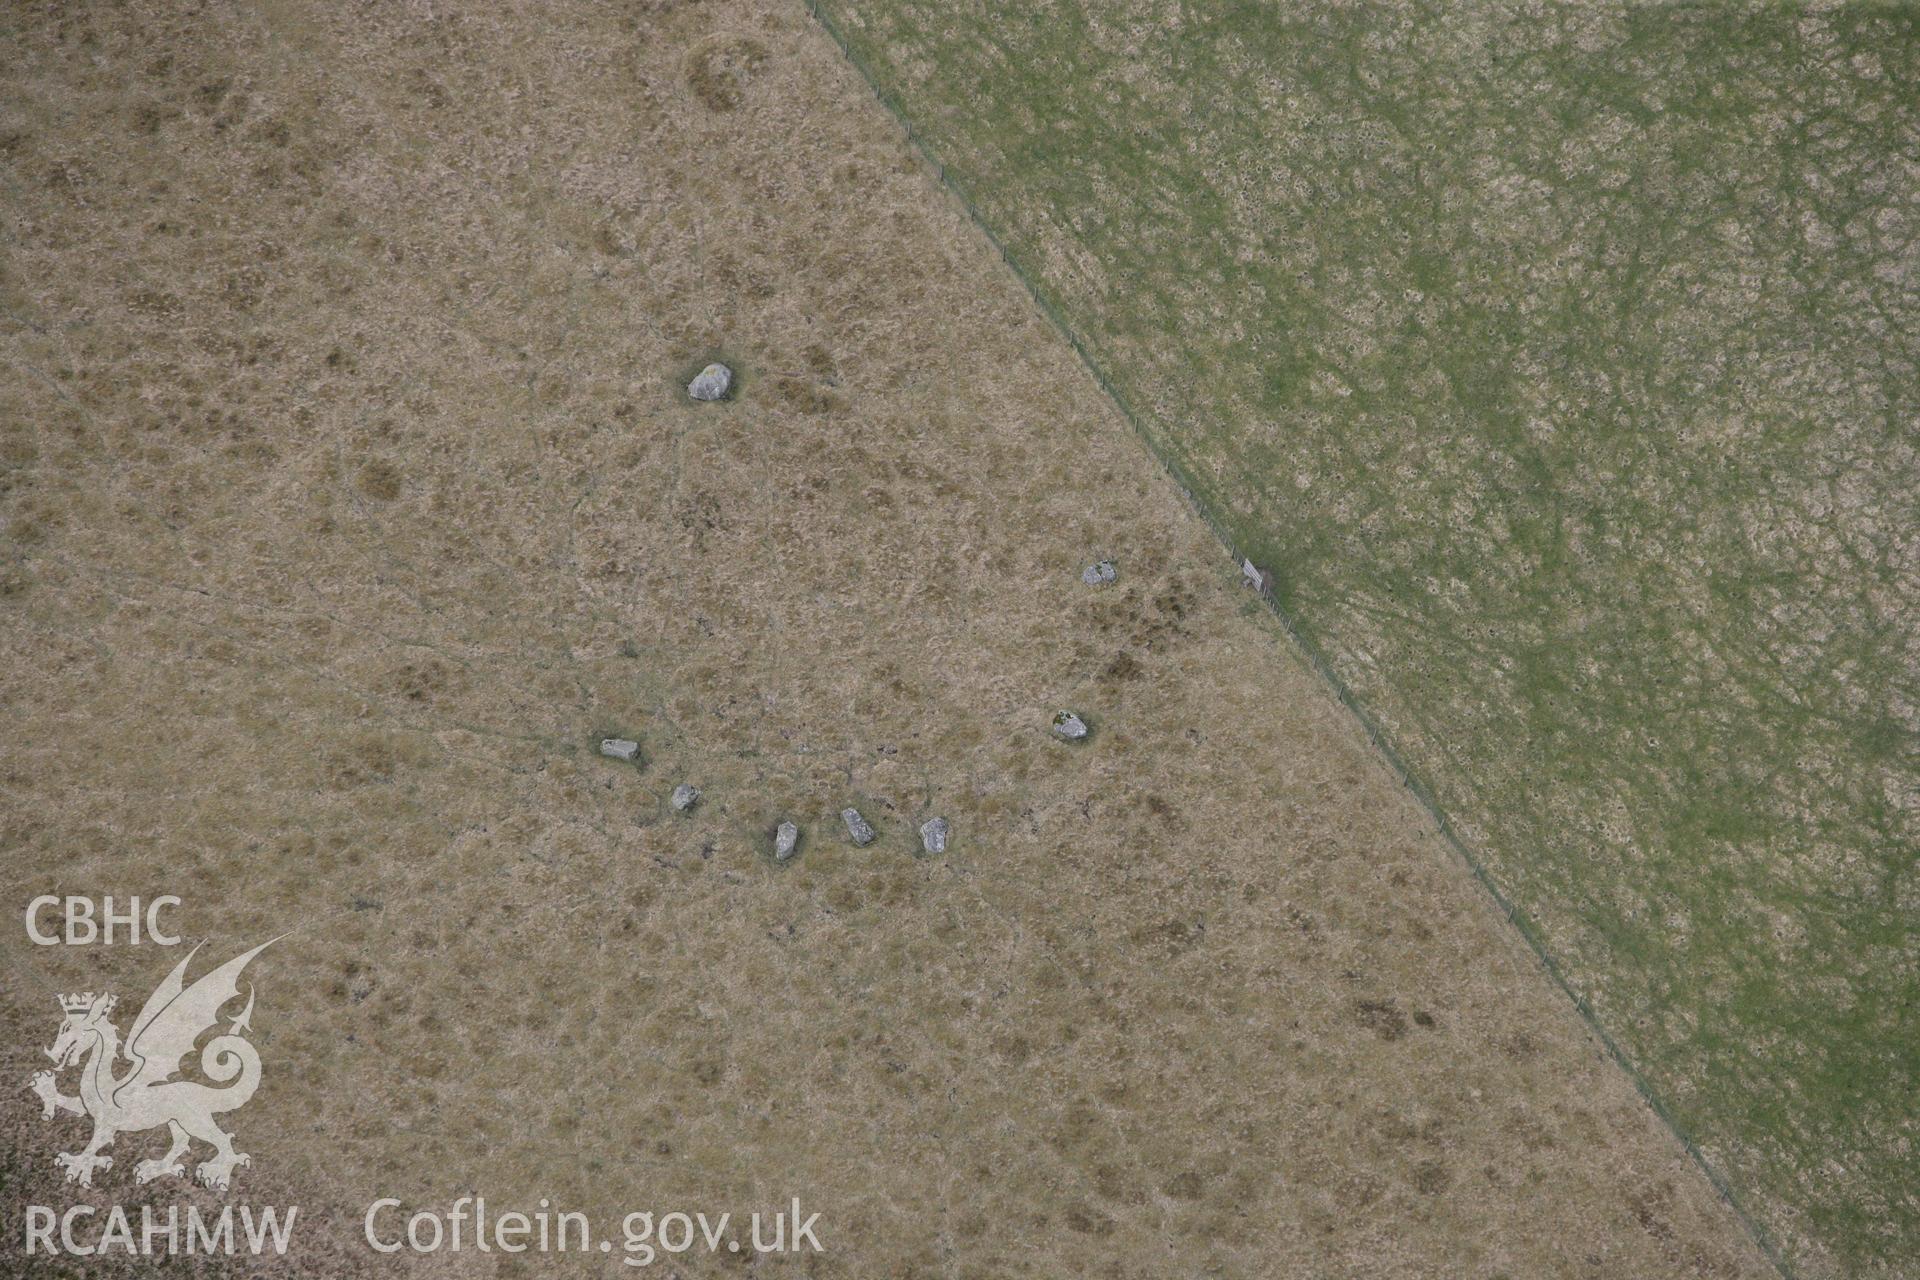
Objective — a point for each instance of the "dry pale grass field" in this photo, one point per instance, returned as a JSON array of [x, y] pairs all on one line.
[[351, 497]]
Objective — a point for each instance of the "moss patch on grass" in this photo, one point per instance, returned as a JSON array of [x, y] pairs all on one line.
[[1560, 365]]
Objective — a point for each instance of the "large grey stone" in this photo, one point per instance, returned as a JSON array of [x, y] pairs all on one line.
[[684, 797], [620, 748], [1100, 574], [786, 840], [857, 827], [1069, 727], [934, 833], [711, 383]]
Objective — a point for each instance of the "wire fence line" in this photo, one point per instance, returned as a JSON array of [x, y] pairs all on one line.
[[1306, 644]]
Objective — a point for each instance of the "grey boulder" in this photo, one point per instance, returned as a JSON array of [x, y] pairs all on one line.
[[858, 827], [786, 839], [711, 383], [1069, 727], [934, 833]]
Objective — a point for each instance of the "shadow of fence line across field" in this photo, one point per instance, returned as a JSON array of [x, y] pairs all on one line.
[[1305, 643]]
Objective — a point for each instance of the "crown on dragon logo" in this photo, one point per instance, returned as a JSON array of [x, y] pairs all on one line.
[[77, 1003]]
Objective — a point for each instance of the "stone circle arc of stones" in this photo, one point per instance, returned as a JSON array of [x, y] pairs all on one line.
[[711, 384]]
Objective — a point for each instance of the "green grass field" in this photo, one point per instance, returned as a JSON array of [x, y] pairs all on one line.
[[1562, 366]]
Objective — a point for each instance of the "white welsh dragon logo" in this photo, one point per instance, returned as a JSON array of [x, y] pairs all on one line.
[[147, 1095]]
